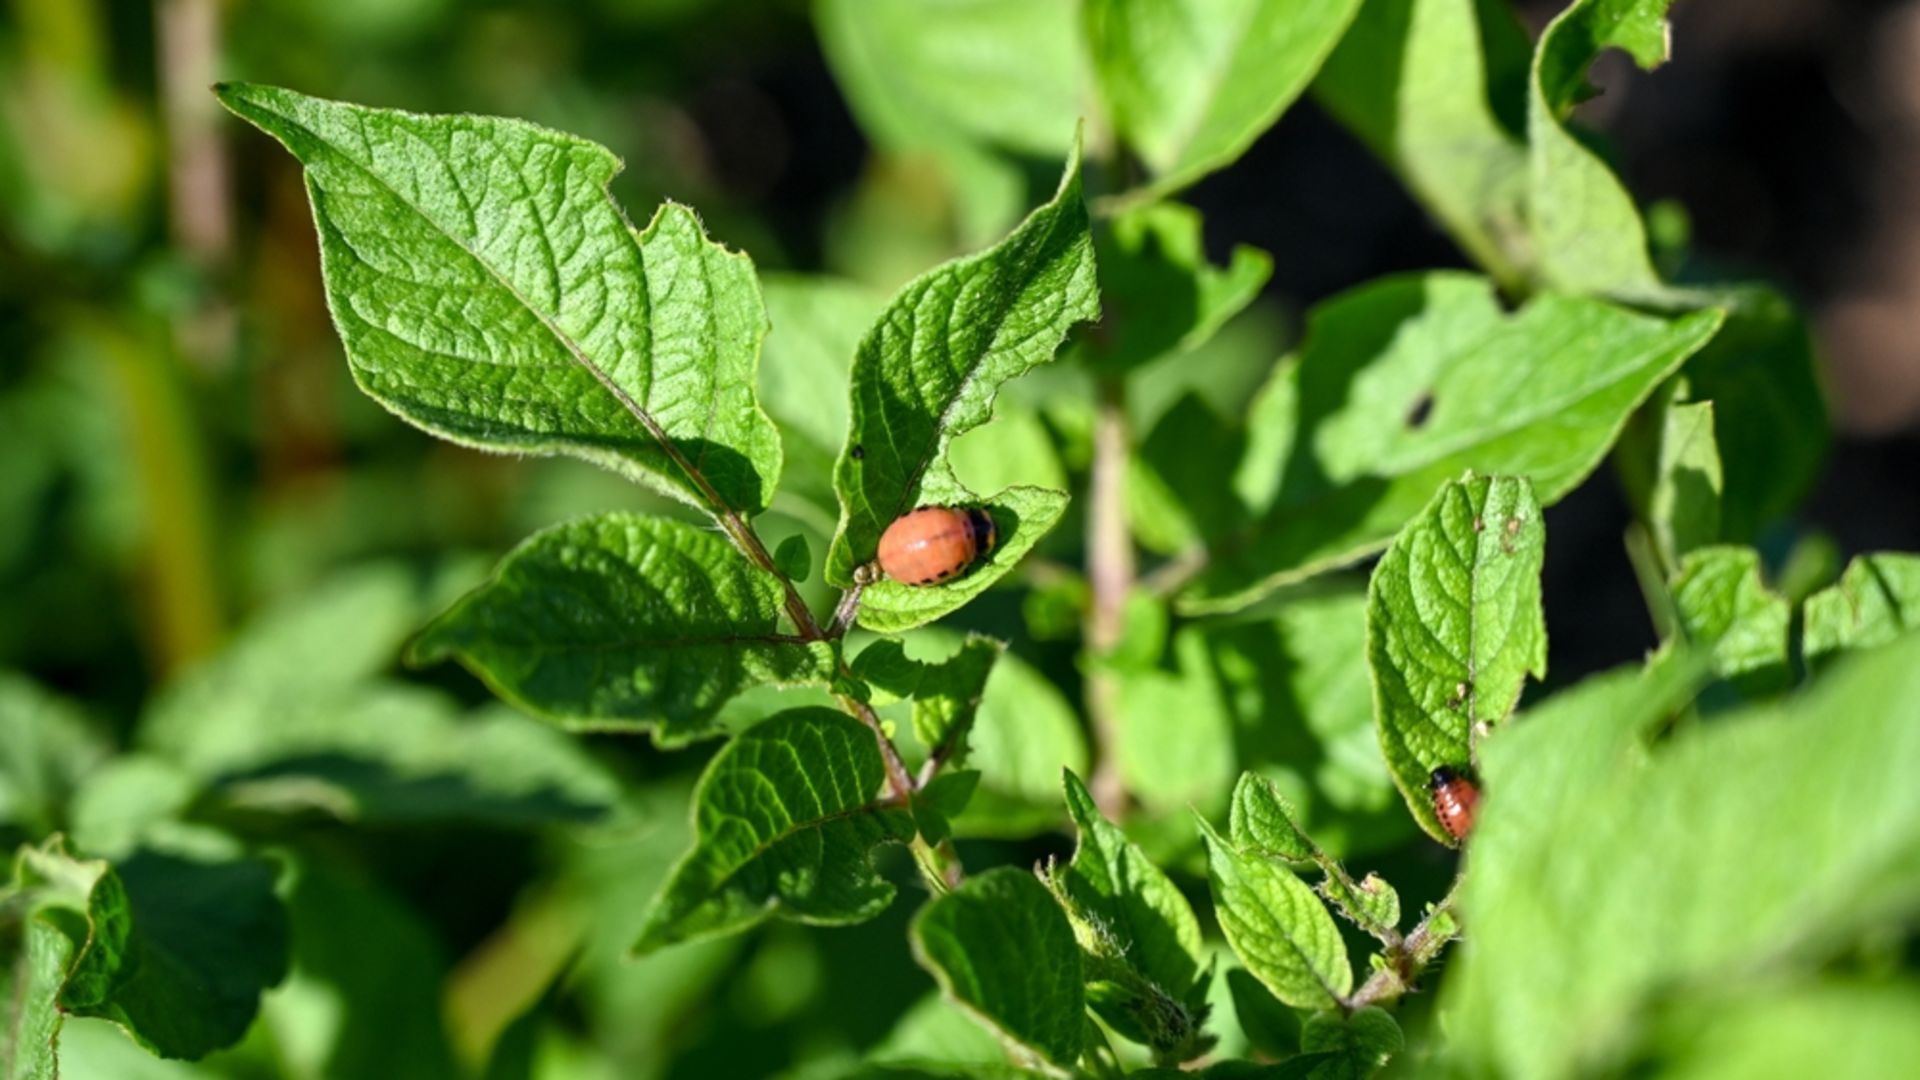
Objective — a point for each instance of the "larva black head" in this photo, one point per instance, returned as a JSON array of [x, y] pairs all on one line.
[[1442, 776], [984, 532]]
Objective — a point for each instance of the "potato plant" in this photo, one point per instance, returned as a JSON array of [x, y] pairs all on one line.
[[1313, 810]]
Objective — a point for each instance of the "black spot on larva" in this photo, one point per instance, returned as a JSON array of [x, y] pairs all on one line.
[[1422, 408], [857, 452]]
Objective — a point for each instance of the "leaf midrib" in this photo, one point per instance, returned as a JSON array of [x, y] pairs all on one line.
[[566, 342]]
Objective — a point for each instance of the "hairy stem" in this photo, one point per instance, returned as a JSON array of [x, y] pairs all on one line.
[[1419, 949], [1110, 572]]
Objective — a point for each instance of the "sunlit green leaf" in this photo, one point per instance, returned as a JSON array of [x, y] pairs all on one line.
[[1454, 627], [488, 290], [817, 323], [1586, 226], [1436, 89], [625, 622], [1876, 601], [1175, 744], [1191, 83], [1764, 841], [1025, 732], [1406, 383], [1683, 504], [1854, 1030], [784, 819], [991, 73], [1727, 610], [1265, 824], [1277, 926]]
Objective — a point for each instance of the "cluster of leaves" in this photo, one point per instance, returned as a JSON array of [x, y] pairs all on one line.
[[1642, 843]]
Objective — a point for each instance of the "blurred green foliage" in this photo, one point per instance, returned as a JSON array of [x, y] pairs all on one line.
[[214, 551]]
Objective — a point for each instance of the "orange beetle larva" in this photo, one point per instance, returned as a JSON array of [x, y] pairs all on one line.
[[935, 544], [1454, 800]]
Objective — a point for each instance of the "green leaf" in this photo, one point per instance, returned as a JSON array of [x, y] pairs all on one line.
[[982, 73], [1177, 493], [1454, 627], [1270, 1027], [793, 558], [364, 996], [624, 622], [1727, 610], [1001, 948], [1284, 694], [1439, 87], [1770, 414], [1860, 1029], [942, 799], [1436, 89], [1877, 600], [1364, 1040], [1142, 942], [1175, 742], [47, 747], [1406, 383], [928, 371], [817, 324], [341, 633], [1160, 293], [90, 1047], [784, 819], [396, 755], [1264, 823], [175, 951], [292, 716], [946, 693], [936, 1036], [1303, 707], [1769, 840], [1683, 507], [976, 88], [1025, 732], [488, 290], [1191, 83], [1277, 926], [1586, 228]]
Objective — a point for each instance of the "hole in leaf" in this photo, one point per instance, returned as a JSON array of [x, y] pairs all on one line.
[[1422, 408]]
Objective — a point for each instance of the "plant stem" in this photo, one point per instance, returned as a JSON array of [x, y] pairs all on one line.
[[898, 778], [199, 213], [1110, 571], [1418, 950]]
